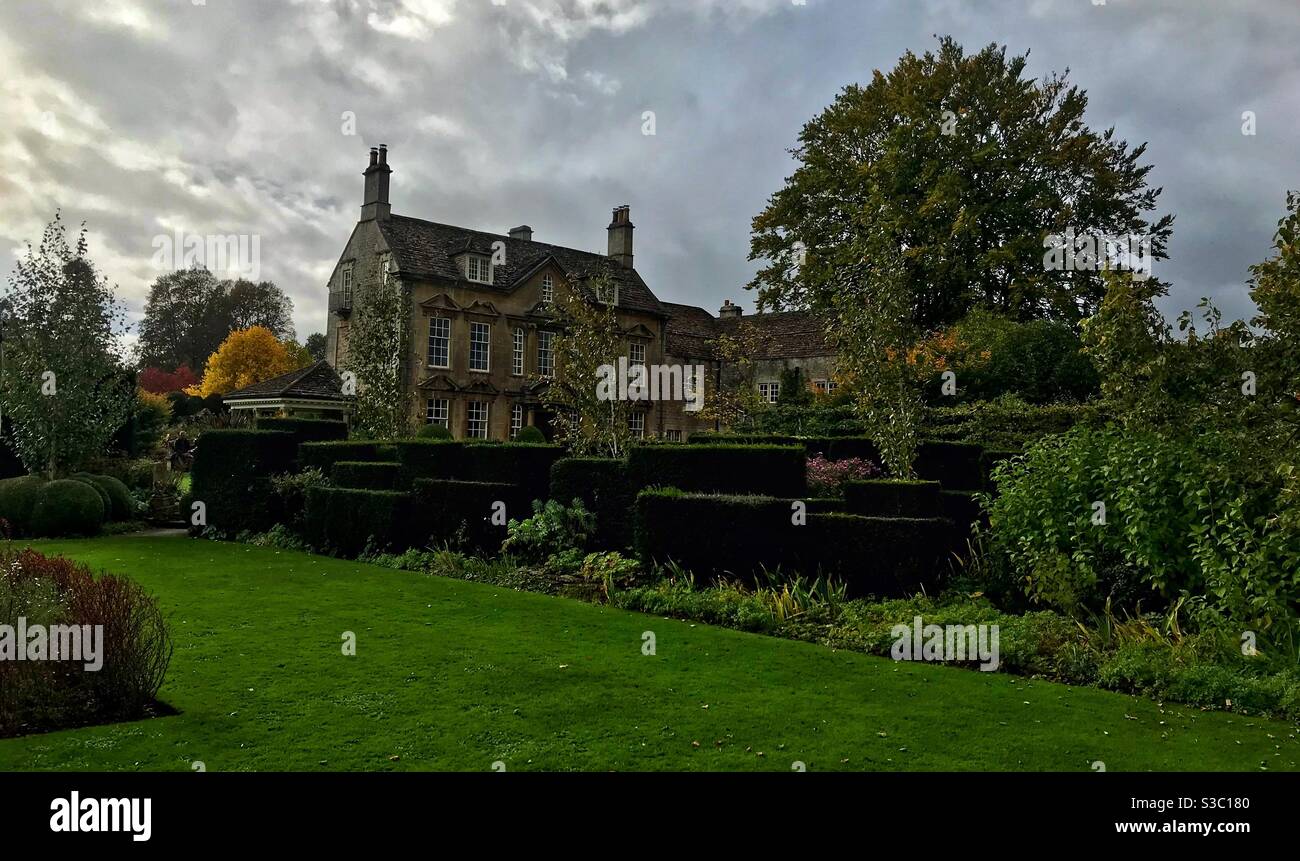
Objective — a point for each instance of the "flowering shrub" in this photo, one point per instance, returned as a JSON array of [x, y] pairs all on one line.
[[825, 477]]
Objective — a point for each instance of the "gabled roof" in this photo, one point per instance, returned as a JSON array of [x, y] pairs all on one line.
[[780, 335], [317, 381], [428, 249]]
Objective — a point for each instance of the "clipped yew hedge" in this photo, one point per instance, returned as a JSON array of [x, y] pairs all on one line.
[[890, 498], [769, 470], [232, 474], [603, 485], [323, 455], [461, 512], [956, 464], [307, 430], [525, 464], [718, 536], [365, 475], [345, 521]]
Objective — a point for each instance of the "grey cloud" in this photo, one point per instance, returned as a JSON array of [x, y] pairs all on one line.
[[536, 117]]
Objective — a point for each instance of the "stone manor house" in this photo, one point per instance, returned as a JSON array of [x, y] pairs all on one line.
[[483, 333]]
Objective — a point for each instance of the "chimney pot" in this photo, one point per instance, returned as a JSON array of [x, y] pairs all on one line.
[[620, 236], [374, 204], [729, 310]]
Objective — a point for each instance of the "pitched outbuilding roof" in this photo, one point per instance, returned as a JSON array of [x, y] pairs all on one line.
[[317, 381], [428, 249]]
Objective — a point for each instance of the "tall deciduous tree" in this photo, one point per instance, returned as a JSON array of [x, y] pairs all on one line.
[[63, 386], [249, 356], [377, 341], [953, 169], [189, 313], [588, 419]]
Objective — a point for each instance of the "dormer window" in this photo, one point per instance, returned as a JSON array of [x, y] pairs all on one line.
[[607, 293], [478, 268]]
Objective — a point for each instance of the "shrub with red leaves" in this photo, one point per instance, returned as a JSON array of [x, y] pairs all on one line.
[[160, 382], [135, 650]]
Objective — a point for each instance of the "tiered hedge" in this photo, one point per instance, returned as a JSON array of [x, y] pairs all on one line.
[[762, 469], [740, 536], [829, 447], [461, 512], [963, 508], [428, 458], [889, 498], [956, 464], [323, 455], [604, 487], [307, 430], [525, 464], [345, 521], [365, 475], [232, 476]]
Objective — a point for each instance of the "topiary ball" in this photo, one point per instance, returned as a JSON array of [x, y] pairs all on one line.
[[531, 434], [67, 507], [88, 480], [118, 502], [433, 432], [17, 499]]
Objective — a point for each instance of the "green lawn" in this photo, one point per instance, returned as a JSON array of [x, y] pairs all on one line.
[[456, 675]]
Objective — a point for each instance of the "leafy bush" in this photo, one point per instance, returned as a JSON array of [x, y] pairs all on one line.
[[365, 475], [827, 477], [531, 434], [1179, 520], [67, 507], [552, 529], [135, 648], [17, 499], [763, 469], [432, 431]]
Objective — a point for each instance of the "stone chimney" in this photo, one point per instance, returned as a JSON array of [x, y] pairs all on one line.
[[620, 236], [728, 310], [523, 232], [375, 205]]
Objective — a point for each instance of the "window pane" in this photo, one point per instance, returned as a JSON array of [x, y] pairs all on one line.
[[545, 356], [480, 336], [476, 419], [439, 341], [517, 358]]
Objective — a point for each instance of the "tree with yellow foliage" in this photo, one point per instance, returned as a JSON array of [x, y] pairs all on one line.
[[247, 356]]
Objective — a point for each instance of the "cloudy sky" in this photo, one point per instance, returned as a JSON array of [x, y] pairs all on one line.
[[144, 117]]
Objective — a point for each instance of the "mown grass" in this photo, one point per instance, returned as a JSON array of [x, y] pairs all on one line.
[[457, 675]]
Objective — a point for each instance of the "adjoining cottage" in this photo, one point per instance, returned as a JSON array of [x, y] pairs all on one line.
[[483, 331]]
